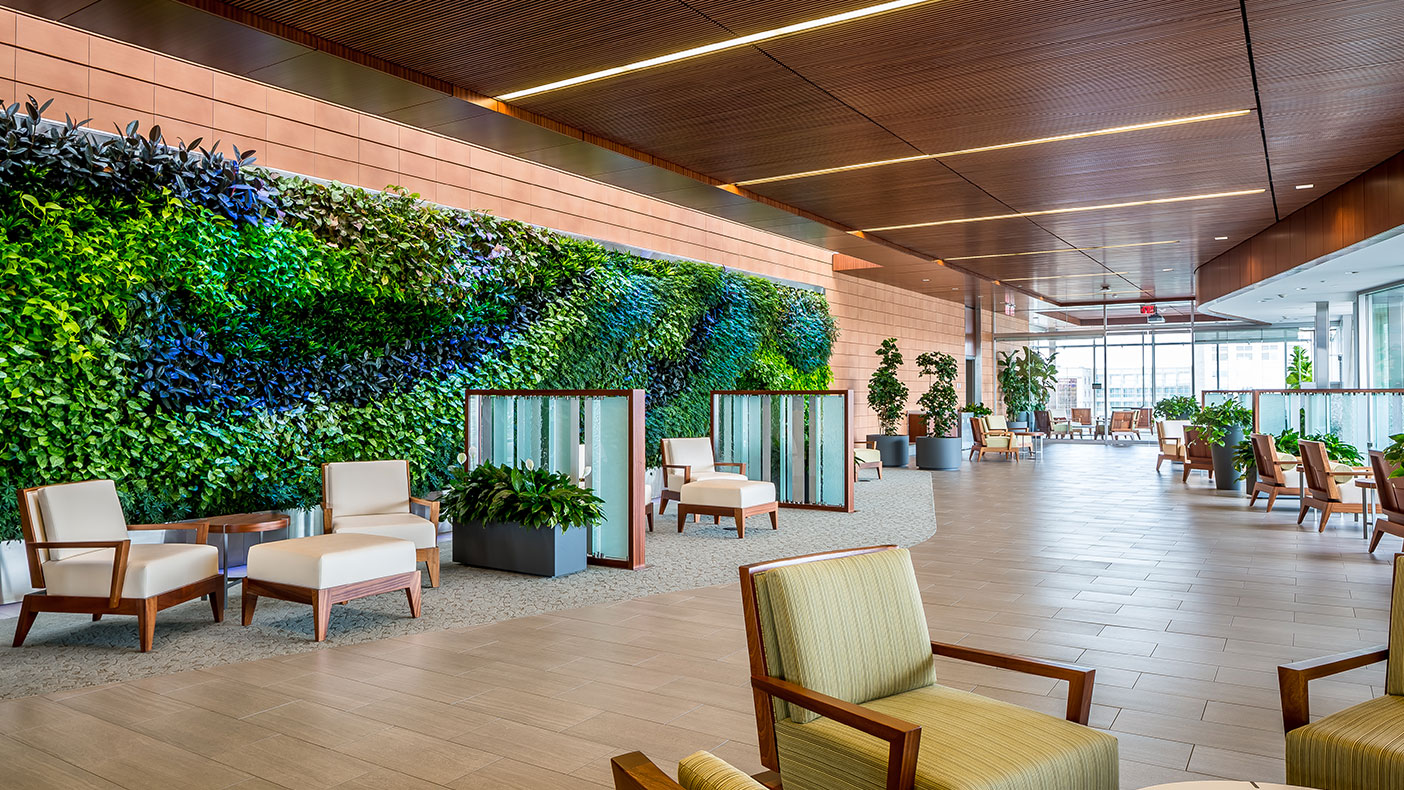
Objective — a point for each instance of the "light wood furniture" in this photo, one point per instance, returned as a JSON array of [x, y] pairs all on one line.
[[985, 442], [1081, 421], [1323, 491], [373, 498], [243, 524], [690, 459], [1170, 434], [634, 771], [739, 499], [75, 538], [867, 456], [1144, 421], [1197, 455], [1390, 518], [326, 570], [1124, 423], [1271, 466], [903, 738]]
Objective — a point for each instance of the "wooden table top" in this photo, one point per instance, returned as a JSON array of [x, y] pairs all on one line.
[[262, 521]]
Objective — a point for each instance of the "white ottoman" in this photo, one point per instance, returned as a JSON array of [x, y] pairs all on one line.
[[325, 570], [739, 499]]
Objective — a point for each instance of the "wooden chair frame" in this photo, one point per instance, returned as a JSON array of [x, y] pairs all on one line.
[[903, 738], [1292, 679], [738, 513], [1081, 421], [322, 600], [1145, 421], [858, 467], [1197, 455], [144, 609], [429, 556], [1390, 516], [1322, 492], [666, 494], [979, 447], [1162, 440], [634, 771], [1123, 422], [1270, 477]]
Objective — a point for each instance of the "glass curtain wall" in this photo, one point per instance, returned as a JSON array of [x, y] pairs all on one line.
[[1384, 330]]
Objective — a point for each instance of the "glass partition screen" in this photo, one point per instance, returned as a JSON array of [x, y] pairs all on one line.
[[800, 441]]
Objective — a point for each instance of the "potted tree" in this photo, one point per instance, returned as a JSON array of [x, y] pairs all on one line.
[[1221, 427], [887, 397], [1177, 407], [976, 409], [521, 519], [1027, 381], [940, 447]]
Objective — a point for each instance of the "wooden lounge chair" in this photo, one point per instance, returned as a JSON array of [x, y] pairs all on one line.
[[1390, 519], [1081, 421], [1271, 466], [1171, 436], [1197, 455], [1323, 489], [986, 442], [1123, 423]]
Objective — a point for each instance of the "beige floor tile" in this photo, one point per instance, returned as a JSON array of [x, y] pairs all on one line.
[[539, 747], [424, 715], [201, 731], [528, 708], [295, 763], [513, 775], [415, 754], [319, 724]]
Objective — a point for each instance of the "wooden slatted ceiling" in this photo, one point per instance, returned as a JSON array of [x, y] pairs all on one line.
[[942, 76]]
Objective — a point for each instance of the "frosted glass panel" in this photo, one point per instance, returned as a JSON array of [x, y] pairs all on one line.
[[796, 440]]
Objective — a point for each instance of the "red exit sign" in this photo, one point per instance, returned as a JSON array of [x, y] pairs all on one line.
[[1147, 309]]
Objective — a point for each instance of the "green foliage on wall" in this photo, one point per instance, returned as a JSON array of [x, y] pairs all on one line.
[[209, 361]]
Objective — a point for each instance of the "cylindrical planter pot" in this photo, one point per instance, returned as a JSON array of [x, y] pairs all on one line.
[[14, 571], [894, 449], [1225, 476], [1018, 425], [510, 547], [938, 452]]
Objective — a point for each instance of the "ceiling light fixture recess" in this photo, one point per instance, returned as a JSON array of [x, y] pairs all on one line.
[[718, 46], [1304, 186], [1213, 116], [1063, 249], [1068, 210], [1221, 238]]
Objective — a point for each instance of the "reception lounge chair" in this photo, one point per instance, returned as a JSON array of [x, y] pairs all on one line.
[[373, 498]]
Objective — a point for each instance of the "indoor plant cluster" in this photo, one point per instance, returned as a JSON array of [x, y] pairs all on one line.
[[208, 334], [1176, 407], [1027, 380], [940, 447], [1221, 426]]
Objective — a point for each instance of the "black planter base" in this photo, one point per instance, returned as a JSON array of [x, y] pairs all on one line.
[[508, 547]]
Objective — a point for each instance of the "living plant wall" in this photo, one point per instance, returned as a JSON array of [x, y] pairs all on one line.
[[207, 334]]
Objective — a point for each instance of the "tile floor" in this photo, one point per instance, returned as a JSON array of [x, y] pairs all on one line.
[[1183, 600]]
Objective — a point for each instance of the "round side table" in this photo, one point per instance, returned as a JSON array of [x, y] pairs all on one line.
[[243, 524]]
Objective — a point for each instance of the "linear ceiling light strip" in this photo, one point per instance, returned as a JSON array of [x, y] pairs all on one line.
[[1063, 276], [719, 46], [1061, 249], [1001, 146], [1069, 210]]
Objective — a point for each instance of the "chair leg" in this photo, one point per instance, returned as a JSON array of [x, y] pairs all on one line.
[[1272, 499], [146, 624], [1375, 538], [740, 516], [1325, 516], [1184, 478], [648, 514], [250, 602], [879, 470], [662, 505], [1158, 462], [682, 519], [1301, 514], [415, 596], [431, 564], [26, 621], [775, 519], [217, 602], [97, 616], [321, 615], [1254, 500]]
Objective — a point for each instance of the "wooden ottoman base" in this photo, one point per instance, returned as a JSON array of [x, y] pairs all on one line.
[[324, 599], [740, 514]]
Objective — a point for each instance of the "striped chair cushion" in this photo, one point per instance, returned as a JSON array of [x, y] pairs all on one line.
[[968, 742], [852, 628], [703, 771], [1394, 672], [1359, 748]]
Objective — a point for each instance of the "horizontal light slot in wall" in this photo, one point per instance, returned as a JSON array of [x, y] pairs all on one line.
[[719, 46], [1068, 210], [1062, 249], [999, 146]]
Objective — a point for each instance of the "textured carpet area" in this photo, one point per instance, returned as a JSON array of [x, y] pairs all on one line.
[[70, 651]]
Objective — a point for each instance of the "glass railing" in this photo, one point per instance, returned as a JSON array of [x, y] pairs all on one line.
[[1361, 417], [802, 441], [596, 436], [1215, 397]]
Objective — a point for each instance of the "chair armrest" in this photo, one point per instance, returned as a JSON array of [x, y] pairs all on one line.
[[903, 738], [739, 465], [202, 528], [686, 473], [1292, 680], [119, 564], [634, 771], [1079, 678], [431, 504]]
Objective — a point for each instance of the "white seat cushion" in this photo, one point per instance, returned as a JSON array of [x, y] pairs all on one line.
[[675, 479], [323, 561], [867, 455], [405, 526], [728, 493], [152, 568]]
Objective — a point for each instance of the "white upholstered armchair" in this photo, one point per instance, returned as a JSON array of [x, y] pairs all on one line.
[[373, 498], [689, 460], [79, 551]]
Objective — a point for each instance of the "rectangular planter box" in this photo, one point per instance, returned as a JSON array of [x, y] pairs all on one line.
[[509, 547], [14, 571]]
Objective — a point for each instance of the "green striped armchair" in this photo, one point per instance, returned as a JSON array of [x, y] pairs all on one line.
[[1361, 747], [846, 694], [700, 771]]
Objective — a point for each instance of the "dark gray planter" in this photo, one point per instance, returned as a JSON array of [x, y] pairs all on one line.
[[1018, 425], [1225, 476], [509, 547], [894, 449], [938, 452]]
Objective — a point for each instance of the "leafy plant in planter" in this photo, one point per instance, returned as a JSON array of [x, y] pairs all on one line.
[[507, 518], [1027, 379], [979, 409], [940, 448], [1221, 427], [1298, 369], [1395, 454], [887, 395], [1177, 407]]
